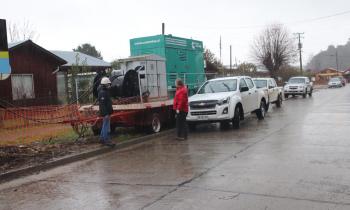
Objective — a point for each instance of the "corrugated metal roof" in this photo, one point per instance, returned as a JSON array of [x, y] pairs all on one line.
[[74, 58], [143, 57], [12, 46]]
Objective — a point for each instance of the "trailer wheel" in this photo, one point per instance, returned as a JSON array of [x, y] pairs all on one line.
[[113, 127], [95, 130], [156, 124]]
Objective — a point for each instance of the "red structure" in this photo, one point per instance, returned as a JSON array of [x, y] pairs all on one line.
[[32, 81]]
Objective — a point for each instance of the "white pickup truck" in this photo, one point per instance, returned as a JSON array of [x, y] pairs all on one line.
[[273, 93], [298, 86], [226, 100]]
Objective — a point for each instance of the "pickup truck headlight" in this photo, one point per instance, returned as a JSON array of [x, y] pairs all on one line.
[[224, 101]]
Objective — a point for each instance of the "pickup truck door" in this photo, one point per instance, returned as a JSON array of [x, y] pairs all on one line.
[[253, 95], [244, 95]]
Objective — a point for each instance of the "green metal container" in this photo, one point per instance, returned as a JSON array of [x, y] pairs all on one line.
[[184, 58]]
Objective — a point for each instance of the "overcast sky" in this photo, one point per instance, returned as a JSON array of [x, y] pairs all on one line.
[[109, 24]]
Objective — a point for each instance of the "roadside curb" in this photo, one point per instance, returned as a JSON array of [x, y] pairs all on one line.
[[11, 175]]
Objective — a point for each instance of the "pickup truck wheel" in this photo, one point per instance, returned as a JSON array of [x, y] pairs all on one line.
[[260, 113], [304, 94], [310, 94], [286, 95], [155, 123], [279, 101], [236, 121]]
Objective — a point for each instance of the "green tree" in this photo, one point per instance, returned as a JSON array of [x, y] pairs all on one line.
[[89, 50], [115, 64]]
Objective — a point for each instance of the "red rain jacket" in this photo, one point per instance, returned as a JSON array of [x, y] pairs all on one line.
[[181, 99]]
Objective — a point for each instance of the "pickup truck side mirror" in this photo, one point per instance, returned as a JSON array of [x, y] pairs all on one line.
[[270, 86], [244, 89], [285, 83]]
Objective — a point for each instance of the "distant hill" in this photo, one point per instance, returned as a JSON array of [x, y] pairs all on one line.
[[327, 59]]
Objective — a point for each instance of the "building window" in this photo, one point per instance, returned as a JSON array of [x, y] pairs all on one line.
[[22, 86]]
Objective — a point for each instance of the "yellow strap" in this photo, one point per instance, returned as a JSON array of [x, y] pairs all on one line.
[[4, 54]]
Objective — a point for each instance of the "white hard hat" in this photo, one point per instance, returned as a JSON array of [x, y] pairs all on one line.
[[105, 81]]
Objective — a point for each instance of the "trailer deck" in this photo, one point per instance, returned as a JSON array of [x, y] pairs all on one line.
[[132, 106]]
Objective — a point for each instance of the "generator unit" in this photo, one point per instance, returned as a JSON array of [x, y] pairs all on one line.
[[183, 58], [140, 76]]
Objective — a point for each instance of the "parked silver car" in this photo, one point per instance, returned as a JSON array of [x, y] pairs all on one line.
[[335, 82]]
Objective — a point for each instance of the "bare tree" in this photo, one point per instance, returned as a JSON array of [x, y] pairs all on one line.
[[213, 64], [274, 47], [21, 31]]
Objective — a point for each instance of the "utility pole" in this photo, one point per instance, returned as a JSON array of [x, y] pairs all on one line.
[[230, 57], [163, 28], [300, 46]]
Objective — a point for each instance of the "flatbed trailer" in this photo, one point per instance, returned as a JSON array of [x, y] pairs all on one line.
[[149, 116]]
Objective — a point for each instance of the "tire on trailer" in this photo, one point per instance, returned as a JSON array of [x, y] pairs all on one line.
[[113, 127], [279, 101], [156, 123], [96, 130]]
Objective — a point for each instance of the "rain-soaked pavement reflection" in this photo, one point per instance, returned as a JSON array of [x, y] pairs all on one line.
[[297, 158]]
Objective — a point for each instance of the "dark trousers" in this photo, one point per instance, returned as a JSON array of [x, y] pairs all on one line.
[[181, 125]]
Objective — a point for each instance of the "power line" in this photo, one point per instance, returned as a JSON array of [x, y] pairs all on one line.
[[286, 23], [321, 18]]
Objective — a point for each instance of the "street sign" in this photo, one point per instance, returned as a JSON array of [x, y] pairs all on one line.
[[5, 68]]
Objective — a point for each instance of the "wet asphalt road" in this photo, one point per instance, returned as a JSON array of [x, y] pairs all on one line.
[[297, 158]]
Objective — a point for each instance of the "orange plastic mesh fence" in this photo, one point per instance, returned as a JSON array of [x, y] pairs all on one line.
[[22, 125]]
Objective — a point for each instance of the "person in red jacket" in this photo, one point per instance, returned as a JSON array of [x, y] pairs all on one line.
[[181, 108]]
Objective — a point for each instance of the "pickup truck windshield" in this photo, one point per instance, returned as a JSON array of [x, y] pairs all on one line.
[[219, 86], [260, 83], [296, 81]]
